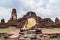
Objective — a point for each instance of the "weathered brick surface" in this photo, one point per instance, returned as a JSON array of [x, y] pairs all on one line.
[[20, 22]]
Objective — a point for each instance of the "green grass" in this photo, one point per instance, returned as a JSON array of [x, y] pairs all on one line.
[[1, 38], [58, 38], [52, 28], [4, 30]]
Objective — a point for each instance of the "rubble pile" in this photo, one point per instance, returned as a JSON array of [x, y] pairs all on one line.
[[30, 34]]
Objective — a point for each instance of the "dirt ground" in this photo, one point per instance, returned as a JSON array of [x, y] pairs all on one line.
[[16, 31], [50, 31], [44, 30]]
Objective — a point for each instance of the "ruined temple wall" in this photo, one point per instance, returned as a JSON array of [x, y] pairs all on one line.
[[46, 22], [3, 24]]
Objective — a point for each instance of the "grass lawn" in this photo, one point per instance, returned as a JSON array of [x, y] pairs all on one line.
[[51, 29], [58, 38], [4, 30], [1, 38]]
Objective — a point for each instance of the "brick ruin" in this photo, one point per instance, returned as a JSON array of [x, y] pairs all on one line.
[[34, 33], [20, 22]]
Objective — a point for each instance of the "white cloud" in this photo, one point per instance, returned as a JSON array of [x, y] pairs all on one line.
[[38, 6], [44, 7], [46, 12], [32, 3], [21, 13], [5, 13], [5, 1]]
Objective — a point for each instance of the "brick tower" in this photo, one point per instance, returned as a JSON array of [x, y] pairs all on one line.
[[14, 15], [13, 19]]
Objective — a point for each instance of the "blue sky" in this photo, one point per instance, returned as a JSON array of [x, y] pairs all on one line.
[[43, 8]]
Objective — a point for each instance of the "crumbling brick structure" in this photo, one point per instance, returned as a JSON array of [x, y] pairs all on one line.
[[47, 22], [3, 24], [20, 22], [13, 19]]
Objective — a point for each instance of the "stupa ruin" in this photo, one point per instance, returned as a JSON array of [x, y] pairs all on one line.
[[30, 26], [20, 22]]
